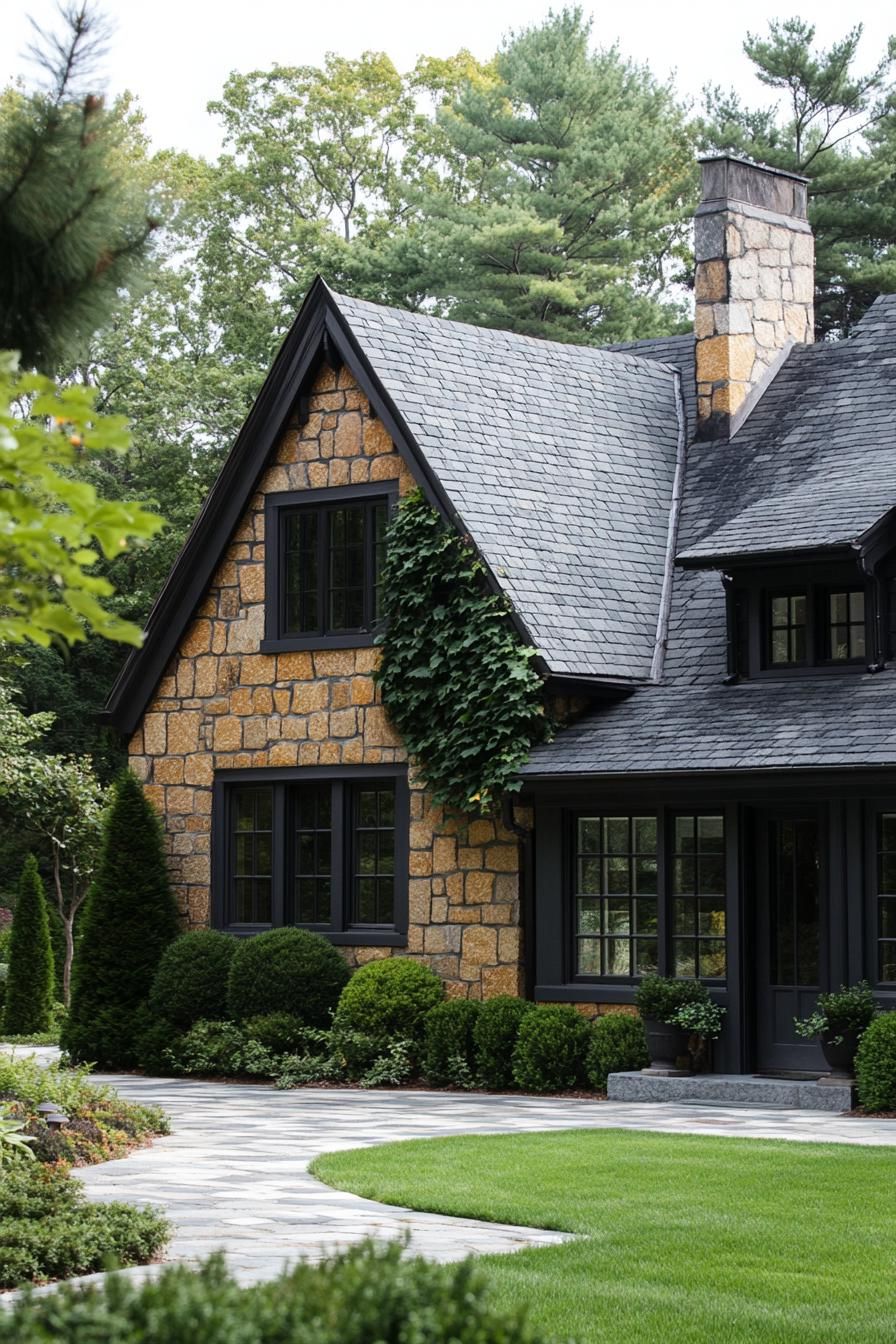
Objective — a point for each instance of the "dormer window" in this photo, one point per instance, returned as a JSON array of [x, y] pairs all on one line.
[[784, 620], [845, 626], [787, 629]]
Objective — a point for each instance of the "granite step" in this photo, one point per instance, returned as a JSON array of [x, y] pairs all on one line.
[[731, 1089]]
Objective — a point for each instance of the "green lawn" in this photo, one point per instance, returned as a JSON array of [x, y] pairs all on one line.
[[683, 1239]]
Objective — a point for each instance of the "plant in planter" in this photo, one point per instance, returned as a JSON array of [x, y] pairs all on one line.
[[658, 1000], [702, 1020], [838, 1022]]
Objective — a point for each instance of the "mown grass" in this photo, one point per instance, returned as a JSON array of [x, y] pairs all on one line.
[[682, 1239]]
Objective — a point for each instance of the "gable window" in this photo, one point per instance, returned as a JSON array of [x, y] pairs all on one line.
[[324, 563], [321, 850], [643, 903]]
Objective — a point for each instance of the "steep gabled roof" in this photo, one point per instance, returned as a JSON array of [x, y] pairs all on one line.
[[557, 460], [814, 465]]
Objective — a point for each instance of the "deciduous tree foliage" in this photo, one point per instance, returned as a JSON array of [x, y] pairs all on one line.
[[837, 126]]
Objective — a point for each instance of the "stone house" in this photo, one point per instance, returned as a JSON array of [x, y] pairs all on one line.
[[697, 535]]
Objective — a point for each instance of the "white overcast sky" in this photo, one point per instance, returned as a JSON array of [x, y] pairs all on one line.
[[176, 54]]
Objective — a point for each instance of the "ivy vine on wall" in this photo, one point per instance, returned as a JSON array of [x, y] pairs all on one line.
[[457, 681]]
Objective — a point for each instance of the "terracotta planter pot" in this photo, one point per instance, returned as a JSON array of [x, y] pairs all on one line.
[[666, 1044], [841, 1055]]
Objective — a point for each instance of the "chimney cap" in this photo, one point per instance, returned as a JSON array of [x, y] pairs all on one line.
[[752, 163], [729, 181]]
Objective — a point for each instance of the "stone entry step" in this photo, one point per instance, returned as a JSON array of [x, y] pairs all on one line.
[[731, 1089]]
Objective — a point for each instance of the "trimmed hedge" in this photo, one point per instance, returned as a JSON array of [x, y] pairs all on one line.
[[876, 1064], [618, 1045], [286, 971], [280, 1033], [448, 1049], [369, 1293], [384, 1001], [129, 919], [495, 1036], [28, 997], [550, 1050], [191, 980]]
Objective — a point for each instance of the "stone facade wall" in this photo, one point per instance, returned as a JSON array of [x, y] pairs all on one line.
[[754, 287], [224, 704]]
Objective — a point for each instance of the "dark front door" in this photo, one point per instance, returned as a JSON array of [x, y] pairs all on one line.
[[789, 929]]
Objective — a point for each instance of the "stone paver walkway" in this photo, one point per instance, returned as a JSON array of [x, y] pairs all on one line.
[[233, 1174]]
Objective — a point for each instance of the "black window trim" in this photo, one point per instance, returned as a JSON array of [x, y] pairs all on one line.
[[320, 498], [884, 990], [340, 931], [749, 592], [621, 988]]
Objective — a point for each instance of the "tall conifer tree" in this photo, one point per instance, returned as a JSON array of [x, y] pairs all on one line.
[[29, 986], [129, 920]]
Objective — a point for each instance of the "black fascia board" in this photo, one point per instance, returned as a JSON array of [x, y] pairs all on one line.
[[877, 542], [736, 560]]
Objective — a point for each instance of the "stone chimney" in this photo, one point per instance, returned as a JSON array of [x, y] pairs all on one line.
[[755, 282]]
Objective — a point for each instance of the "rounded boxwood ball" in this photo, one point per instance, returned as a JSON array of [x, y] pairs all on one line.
[[190, 982], [876, 1064], [388, 999], [286, 971]]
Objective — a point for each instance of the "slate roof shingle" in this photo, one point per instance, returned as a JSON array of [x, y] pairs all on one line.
[[815, 461], [559, 460]]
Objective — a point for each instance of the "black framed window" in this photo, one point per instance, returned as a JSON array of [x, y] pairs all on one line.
[[698, 897], [251, 848], [886, 899], [312, 817], [844, 625], [373, 854], [616, 896], [323, 565], [323, 849], [787, 629]]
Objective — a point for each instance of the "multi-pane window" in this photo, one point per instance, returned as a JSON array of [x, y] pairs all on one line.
[[251, 816], [845, 621], [331, 560], [787, 617], [328, 853], [373, 854], [698, 897], [312, 815], [616, 896], [886, 899]]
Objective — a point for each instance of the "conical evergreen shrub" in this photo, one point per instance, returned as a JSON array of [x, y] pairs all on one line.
[[29, 986], [129, 919]]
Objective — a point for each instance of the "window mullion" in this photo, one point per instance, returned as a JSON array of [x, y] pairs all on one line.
[[663, 886]]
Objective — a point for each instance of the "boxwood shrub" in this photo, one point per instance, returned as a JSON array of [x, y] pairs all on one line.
[[876, 1064], [383, 1001], [618, 1045], [550, 1050], [282, 1033], [191, 980], [494, 1037], [367, 1294], [658, 997], [286, 971], [448, 1050]]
